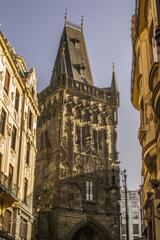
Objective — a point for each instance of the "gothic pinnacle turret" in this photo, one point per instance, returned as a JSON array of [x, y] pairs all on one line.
[[114, 86]]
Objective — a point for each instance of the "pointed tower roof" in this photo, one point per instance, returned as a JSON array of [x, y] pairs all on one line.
[[114, 86], [75, 60]]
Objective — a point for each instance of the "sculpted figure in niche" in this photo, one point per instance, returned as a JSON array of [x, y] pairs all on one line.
[[78, 114], [63, 170], [103, 119], [69, 106], [86, 115]]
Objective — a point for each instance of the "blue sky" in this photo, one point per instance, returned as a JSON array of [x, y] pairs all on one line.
[[34, 28]]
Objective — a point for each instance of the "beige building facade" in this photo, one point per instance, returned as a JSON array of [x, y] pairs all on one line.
[[18, 117], [145, 96]]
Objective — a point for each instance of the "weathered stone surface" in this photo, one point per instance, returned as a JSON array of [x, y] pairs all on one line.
[[76, 148]]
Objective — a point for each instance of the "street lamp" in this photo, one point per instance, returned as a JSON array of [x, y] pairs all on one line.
[[124, 180]]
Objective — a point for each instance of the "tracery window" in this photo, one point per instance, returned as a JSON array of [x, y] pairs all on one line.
[[89, 190]]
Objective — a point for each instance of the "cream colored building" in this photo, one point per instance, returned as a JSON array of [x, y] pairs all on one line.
[[134, 214], [18, 117], [145, 95]]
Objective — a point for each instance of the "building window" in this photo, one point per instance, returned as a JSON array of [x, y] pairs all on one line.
[[23, 229], [25, 190], [17, 97], [10, 175], [28, 153], [123, 228], [89, 191], [135, 215], [1, 75], [135, 229], [13, 139], [7, 81], [33, 91], [134, 205], [123, 215], [30, 119], [2, 122], [134, 195], [7, 221]]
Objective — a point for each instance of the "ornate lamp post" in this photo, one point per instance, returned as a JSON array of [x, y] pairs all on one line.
[[124, 180]]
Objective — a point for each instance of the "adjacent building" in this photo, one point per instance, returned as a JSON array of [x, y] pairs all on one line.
[[18, 117], [76, 190], [145, 96], [134, 215]]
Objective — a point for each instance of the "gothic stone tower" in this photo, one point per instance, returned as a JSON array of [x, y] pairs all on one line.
[[76, 191]]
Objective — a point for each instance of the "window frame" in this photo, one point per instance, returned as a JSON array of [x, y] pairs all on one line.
[[17, 100], [89, 190], [23, 228], [25, 190], [7, 81], [30, 119], [3, 122], [7, 225], [135, 228], [13, 138], [28, 153]]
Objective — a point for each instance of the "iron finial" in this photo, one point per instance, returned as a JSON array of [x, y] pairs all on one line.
[[65, 16], [113, 66], [82, 21]]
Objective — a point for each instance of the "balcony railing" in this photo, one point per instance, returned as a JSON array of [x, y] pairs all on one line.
[[101, 94], [7, 186]]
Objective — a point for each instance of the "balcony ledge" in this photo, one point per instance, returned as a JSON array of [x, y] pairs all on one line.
[[9, 191]]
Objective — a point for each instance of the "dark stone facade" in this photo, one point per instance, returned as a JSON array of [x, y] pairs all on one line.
[[76, 192]]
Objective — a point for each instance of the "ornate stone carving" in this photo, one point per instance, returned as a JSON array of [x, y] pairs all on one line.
[[9, 128]]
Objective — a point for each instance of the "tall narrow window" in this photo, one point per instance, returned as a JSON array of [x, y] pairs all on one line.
[[95, 144], [30, 119], [7, 81], [135, 229], [13, 139], [25, 190], [2, 122], [23, 229], [78, 135], [28, 153], [7, 221], [85, 135], [17, 100], [10, 175], [89, 191]]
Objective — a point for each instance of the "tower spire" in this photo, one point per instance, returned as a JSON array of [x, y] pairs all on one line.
[[114, 86]]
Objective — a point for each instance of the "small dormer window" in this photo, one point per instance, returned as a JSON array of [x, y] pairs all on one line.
[[76, 42], [82, 69]]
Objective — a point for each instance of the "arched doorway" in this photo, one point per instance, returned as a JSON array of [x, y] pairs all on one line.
[[89, 231]]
